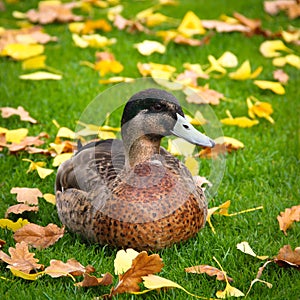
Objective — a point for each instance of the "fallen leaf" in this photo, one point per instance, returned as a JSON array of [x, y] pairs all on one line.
[[38, 236], [20, 208], [209, 270], [253, 24], [50, 198], [179, 146], [147, 68], [201, 181], [259, 109], [203, 95], [41, 75], [6, 112], [27, 195], [245, 248], [275, 87], [288, 257], [192, 165], [90, 26], [288, 217], [24, 275], [22, 51], [11, 225], [148, 47], [290, 59], [16, 135], [37, 62], [221, 26], [66, 133], [271, 48], [116, 79], [20, 258], [142, 265], [243, 122], [60, 158], [92, 40], [2, 243], [215, 66], [123, 260], [58, 268], [244, 72], [281, 76], [292, 7], [89, 280], [190, 25], [38, 166], [228, 60]]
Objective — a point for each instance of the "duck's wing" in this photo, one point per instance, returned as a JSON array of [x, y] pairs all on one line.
[[95, 164]]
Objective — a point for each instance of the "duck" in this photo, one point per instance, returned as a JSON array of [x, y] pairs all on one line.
[[131, 192]]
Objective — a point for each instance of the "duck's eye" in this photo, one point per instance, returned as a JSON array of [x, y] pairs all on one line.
[[157, 106]]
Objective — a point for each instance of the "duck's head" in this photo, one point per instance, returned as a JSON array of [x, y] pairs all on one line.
[[156, 113]]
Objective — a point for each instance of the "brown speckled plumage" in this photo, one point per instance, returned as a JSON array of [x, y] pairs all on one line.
[[111, 193]]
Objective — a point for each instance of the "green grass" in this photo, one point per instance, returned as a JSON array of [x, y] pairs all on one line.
[[265, 173]]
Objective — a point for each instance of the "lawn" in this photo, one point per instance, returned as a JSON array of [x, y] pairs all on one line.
[[264, 173]]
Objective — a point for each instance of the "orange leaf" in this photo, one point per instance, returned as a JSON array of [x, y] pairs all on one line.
[[288, 217], [89, 280], [209, 270], [288, 258], [6, 112], [38, 236], [20, 258], [142, 265], [27, 195]]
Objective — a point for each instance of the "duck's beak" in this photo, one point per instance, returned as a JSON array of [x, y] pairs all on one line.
[[187, 131]]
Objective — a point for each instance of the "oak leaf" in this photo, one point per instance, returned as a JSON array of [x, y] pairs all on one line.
[[38, 236], [209, 270], [20, 258], [27, 195], [6, 112], [20, 208], [89, 280], [142, 265], [288, 217], [288, 257]]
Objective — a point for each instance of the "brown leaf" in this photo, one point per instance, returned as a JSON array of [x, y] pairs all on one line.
[[253, 24], [142, 265], [48, 12], [288, 217], [288, 258], [38, 236], [221, 26], [281, 76], [204, 95], [6, 112], [58, 268], [27, 195], [89, 280], [2, 243], [20, 258], [209, 270], [292, 7], [20, 208]]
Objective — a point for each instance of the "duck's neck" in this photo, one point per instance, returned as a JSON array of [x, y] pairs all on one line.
[[141, 150]]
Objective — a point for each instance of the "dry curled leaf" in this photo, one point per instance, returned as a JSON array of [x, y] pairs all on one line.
[[142, 265], [288, 217], [20, 258], [27, 195], [6, 112], [58, 268], [291, 7], [288, 257], [38, 236], [209, 270], [20, 208], [89, 280]]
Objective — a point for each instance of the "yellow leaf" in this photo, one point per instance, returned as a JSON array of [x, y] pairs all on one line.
[[243, 122], [108, 66], [14, 226], [37, 62], [38, 166], [105, 135], [26, 276], [16, 135], [214, 66], [148, 47], [76, 27], [22, 51], [180, 146], [290, 36], [98, 41], [192, 164], [123, 260], [116, 79], [229, 140], [197, 120], [60, 158], [66, 133], [293, 60], [79, 41], [146, 69], [191, 25], [260, 109], [41, 76], [275, 87], [228, 60], [244, 72], [194, 67], [271, 48], [50, 198], [245, 248], [156, 19]]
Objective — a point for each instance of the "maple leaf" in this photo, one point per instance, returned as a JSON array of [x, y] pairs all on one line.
[[209, 270], [58, 268], [288, 257], [89, 280], [27, 195], [288, 217], [20, 208], [38, 236], [281, 76], [20, 258], [6, 112], [142, 265]]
